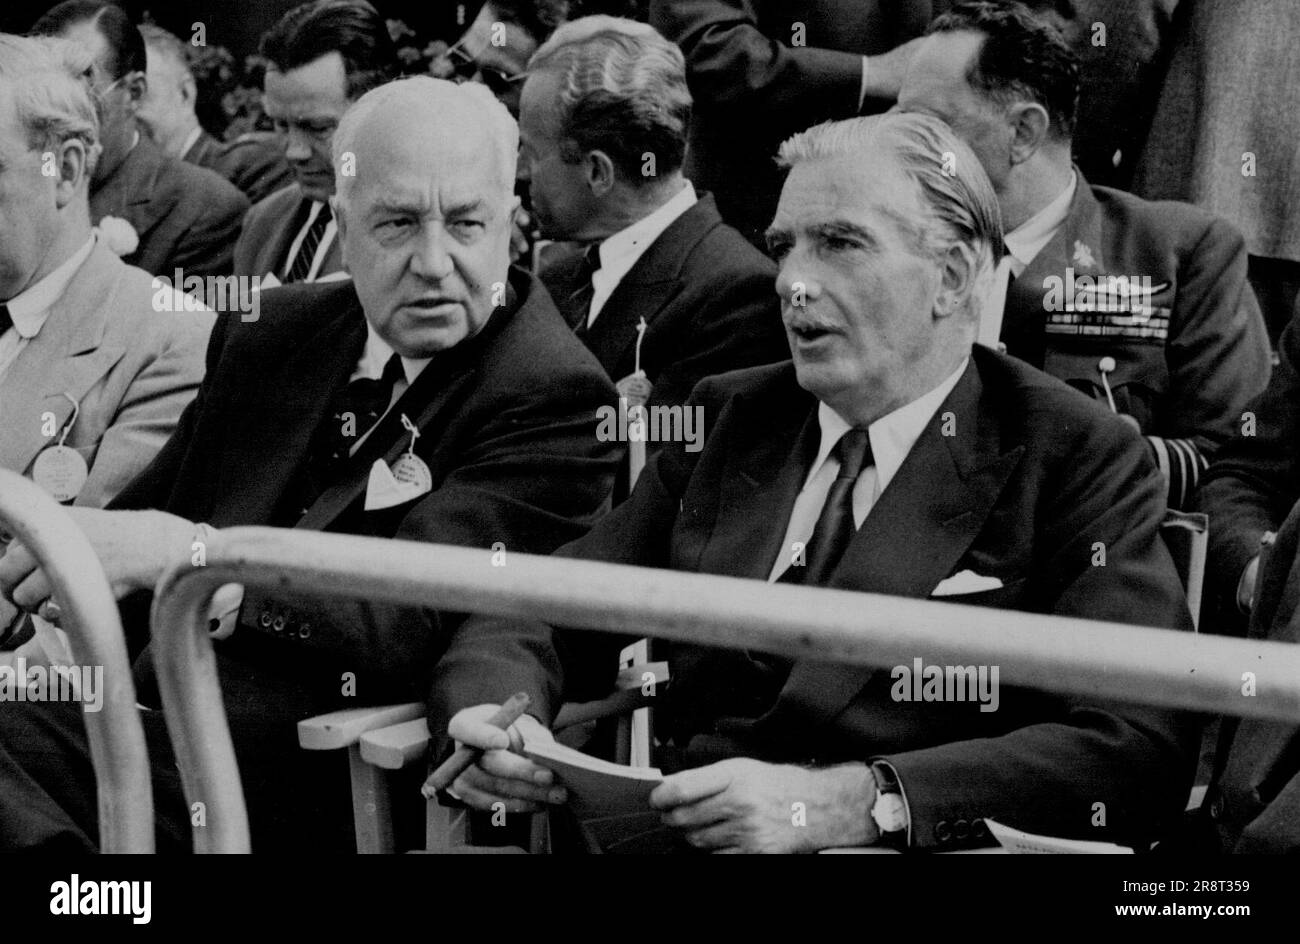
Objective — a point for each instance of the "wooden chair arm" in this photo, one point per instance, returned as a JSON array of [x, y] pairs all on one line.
[[397, 745], [340, 729]]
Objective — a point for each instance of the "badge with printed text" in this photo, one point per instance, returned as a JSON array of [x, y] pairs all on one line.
[[408, 478], [60, 469]]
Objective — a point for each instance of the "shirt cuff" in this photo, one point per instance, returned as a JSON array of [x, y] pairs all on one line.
[[862, 87]]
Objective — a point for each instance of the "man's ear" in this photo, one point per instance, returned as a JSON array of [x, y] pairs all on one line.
[[189, 90], [136, 85], [601, 176], [1030, 125], [71, 163], [958, 275]]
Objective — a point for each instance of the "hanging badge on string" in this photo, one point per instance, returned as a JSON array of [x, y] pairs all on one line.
[[408, 477], [635, 387], [60, 469]]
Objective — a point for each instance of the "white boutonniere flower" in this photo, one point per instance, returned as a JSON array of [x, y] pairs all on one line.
[[119, 236]]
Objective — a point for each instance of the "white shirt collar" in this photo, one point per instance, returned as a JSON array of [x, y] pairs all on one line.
[[190, 138], [30, 307], [620, 252], [376, 355], [892, 436], [1028, 239]]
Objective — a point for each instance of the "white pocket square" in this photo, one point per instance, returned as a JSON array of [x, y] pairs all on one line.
[[966, 581]]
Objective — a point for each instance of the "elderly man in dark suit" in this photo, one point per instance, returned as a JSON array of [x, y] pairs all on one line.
[[438, 362], [603, 161], [253, 162], [1142, 306], [154, 210], [321, 56], [889, 457]]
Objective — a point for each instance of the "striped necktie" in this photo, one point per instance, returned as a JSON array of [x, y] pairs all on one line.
[[310, 243]]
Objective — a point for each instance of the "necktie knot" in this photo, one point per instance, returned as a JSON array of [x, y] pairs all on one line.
[[854, 453]]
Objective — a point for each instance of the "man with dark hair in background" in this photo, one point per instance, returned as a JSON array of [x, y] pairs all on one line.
[[163, 214], [252, 162], [1142, 306], [322, 56]]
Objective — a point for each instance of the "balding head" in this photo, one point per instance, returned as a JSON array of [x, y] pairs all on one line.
[[442, 121], [424, 198]]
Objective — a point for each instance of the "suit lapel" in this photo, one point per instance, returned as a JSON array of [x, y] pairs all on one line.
[[766, 474], [69, 355], [648, 286], [277, 442], [923, 523], [129, 192]]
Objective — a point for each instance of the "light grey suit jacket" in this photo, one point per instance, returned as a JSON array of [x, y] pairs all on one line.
[[132, 370], [268, 234]]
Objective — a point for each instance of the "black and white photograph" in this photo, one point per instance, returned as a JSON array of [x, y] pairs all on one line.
[[652, 427]]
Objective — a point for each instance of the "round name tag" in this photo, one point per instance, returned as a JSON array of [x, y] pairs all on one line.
[[635, 388], [61, 471], [411, 471]]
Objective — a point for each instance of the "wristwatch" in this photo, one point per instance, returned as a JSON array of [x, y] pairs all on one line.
[[890, 809]]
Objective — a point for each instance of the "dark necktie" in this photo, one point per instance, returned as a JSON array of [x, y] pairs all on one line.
[[835, 525], [577, 306], [310, 243], [6, 320], [357, 409]]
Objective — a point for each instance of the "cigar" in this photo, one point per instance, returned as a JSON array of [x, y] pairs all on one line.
[[465, 756]]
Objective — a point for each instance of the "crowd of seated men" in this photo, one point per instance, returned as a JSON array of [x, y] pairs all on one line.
[[955, 370]]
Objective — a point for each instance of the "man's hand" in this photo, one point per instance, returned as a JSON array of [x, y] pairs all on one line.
[[885, 72], [134, 547], [501, 776], [743, 805]]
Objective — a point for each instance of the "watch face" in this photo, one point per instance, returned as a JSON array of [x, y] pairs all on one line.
[[889, 812]]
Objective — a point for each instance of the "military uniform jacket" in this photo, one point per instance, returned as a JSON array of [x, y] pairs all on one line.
[[1160, 290]]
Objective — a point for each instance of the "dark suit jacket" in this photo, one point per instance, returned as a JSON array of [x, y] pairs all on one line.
[[253, 162], [269, 231], [708, 298], [186, 217], [1032, 479], [753, 88], [1254, 798], [507, 422], [1187, 380], [1254, 480]]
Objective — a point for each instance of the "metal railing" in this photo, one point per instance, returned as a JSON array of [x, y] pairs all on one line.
[[1061, 654], [90, 617]]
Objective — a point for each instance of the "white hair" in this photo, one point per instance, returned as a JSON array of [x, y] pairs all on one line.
[[49, 81], [423, 98]]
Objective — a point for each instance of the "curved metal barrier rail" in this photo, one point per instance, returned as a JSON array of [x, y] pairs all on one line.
[[95, 636], [1082, 657]]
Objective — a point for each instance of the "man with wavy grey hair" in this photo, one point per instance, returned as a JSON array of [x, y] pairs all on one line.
[[91, 376], [603, 123], [438, 396], [891, 456]]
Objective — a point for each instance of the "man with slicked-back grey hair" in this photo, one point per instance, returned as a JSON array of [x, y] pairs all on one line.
[[602, 122], [891, 456], [438, 396]]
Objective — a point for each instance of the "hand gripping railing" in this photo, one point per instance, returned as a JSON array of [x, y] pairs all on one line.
[[95, 636], [1081, 657]]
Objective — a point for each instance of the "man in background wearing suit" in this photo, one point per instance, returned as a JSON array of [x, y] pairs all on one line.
[[171, 215], [299, 413], [253, 162], [1142, 306], [92, 378], [890, 457], [322, 56], [603, 131]]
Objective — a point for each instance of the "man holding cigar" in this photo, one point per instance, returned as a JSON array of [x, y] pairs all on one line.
[[891, 456], [438, 397]]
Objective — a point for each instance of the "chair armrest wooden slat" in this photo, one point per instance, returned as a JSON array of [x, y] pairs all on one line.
[[339, 729], [395, 746]]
